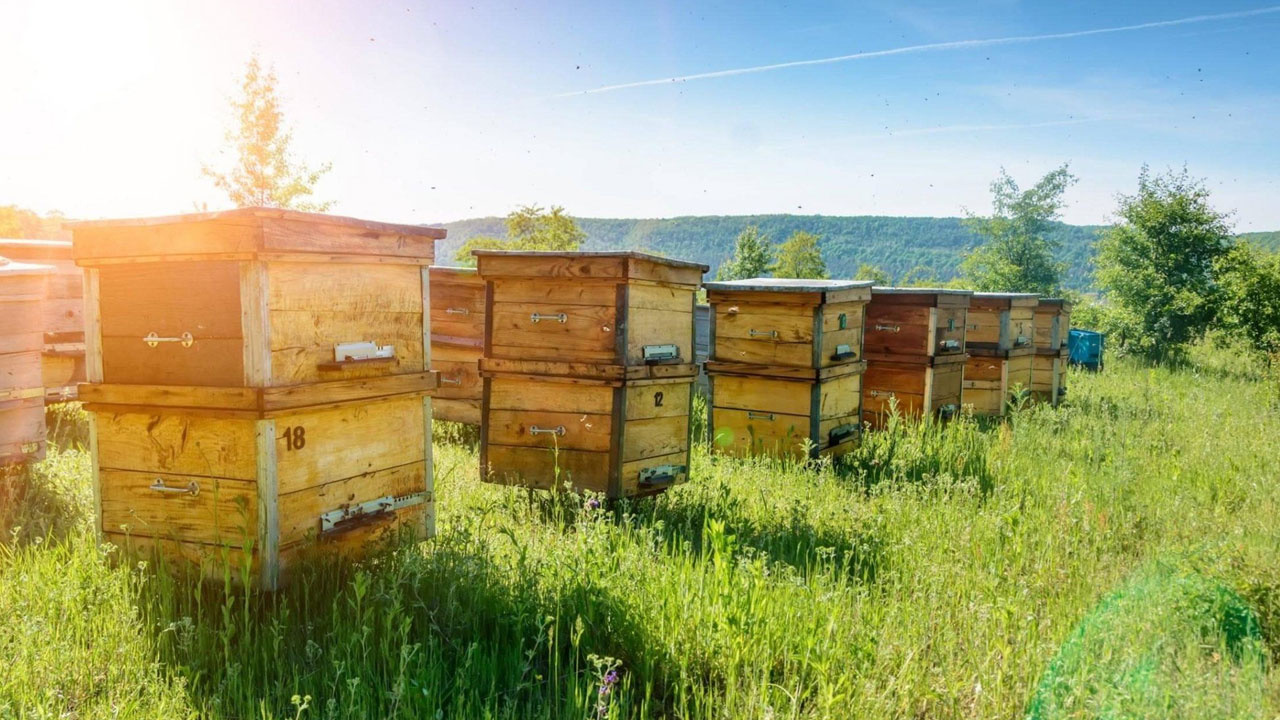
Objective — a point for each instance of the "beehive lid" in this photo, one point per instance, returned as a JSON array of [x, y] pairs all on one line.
[[607, 265], [885, 290], [1004, 299], [454, 272], [1055, 304], [249, 231], [788, 285], [28, 249]]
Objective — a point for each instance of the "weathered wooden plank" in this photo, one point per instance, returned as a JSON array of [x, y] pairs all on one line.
[[176, 443]]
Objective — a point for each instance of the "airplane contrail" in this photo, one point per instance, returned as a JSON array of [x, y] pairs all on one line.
[[931, 47]]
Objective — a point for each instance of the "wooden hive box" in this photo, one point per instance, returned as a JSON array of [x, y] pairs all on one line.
[[785, 365], [774, 323], [588, 368], [457, 342], [1000, 340], [258, 384], [22, 291], [257, 298], [1049, 367], [62, 364], [914, 347], [254, 491]]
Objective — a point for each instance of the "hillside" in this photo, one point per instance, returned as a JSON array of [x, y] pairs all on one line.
[[897, 244]]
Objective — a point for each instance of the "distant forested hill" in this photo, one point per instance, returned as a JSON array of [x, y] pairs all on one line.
[[897, 244], [1268, 240]]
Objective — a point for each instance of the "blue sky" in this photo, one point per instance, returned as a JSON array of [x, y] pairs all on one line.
[[439, 111]]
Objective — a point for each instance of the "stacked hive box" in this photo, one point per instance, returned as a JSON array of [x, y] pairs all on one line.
[[62, 363], [915, 340], [1049, 366], [257, 383], [1000, 340], [22, 292], [588, 367], [785, 366], [457, 342]]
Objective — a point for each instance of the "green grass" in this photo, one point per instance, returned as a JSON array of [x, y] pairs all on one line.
[[938, 575]]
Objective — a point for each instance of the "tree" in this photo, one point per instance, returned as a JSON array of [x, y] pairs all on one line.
[[752, 256], [265, 173], [1157, 264], [874, 273], [1249, 283], [920, 276], [529, 227], [1017, 255], [800, 257], [16, 222]]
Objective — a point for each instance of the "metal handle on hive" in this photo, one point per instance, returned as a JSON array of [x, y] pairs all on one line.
[[759, 416], [881, 393], [888, 328], [192, 489], [457, 311], [450, 381], [153, 340], [558, 317], [558, 430], [763, 333]]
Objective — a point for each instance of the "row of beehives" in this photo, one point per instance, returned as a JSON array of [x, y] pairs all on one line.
[[592, 356], [41, 340], [260, 381]]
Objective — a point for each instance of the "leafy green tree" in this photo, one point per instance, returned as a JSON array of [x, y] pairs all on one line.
[[265, 173], [1249, 283], [874, 273], [529, 227], [800, 257], [752, 256], [1018, 252], [1157, 264], [920, 276]]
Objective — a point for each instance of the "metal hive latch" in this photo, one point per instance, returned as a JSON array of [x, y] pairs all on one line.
[[661, 353], [662, 475], [349, 516], [364, 350]]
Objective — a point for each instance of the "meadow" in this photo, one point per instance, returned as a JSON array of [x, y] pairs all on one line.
[[941, 573]]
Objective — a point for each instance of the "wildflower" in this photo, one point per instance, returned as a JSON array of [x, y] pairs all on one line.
[[606, 686], [593, 503]]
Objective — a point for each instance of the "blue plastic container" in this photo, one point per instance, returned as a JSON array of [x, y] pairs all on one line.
[[1085, 348]]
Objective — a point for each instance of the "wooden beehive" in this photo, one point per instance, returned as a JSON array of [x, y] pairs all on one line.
[[1000, 340], [785, 365], [62, 362], [1049, 367], [457, 342], [22, 292], [258, 384], [587, 369], [914, 347]]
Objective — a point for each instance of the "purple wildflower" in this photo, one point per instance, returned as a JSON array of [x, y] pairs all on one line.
[[593, 503]]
